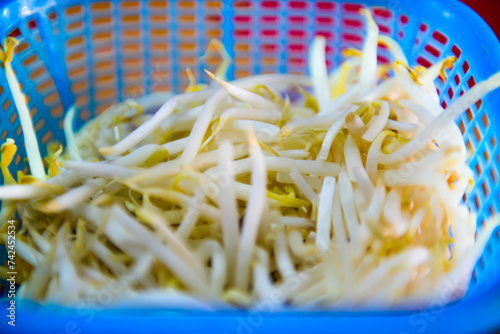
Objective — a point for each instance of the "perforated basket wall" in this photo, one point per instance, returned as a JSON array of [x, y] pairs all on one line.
[[95, 53]]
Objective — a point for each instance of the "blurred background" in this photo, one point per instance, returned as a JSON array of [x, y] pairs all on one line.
[[489, 10]]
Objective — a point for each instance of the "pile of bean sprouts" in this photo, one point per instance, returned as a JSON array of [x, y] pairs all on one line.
[[341, 189]]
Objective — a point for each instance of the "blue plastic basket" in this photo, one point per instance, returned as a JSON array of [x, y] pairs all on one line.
[[95, 53]]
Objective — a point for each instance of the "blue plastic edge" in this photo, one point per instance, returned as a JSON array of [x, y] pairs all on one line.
[[479, 315]]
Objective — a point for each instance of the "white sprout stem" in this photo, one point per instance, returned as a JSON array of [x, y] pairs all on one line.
[[277, 164], [323, 121], [105, 255], [203, 121], [228, 205], [112, 229], [278, 219], [304, 187], [297, 245], [243, 192], [392, 214], [452, 112], [394, 47], [209, 159], [176, 146], [390, 295], [352, 156], [333, 278], [377, 123], [100, 169], [207, 211], [376, 279], [338, 76], [139, 273], [432, 74], [201, 161], [41, 276], [213, 250], [325, 210], [355, 124], [268, 116], [174, 241], [40, 242], [341, 237], [461, 275], [75, 196], [424, 115], [368, 71], [364, 182], [263, 286], [316, 122], [181, 121], [314, 182], [294, 154], [415, 91], [389, 88], [319, 73], [70, 135], [459, 189], [22, 192], [265, 132], [137, 157], [161, 298], [397, 178], [200, 127], [464, 239], [284, 262], [174, 217], [349, 210], [348, 97], [330, 136], [252, 99], [152, 124], [309, 295], [191, 217], [67, 276], [153, 100], [30, 140], [179, 267], [360, 202], [38, 189], [253, 213], [401, 126], [142, 131], [417, 220], [375, 208], [374, 156]]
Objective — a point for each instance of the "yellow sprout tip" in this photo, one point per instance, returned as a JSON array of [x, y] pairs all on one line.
[[210, 74], [351, 52], [284, 132], [190, 74], [106, 151], [9, 45], [447, 64], [413, 74], [368, 15]]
